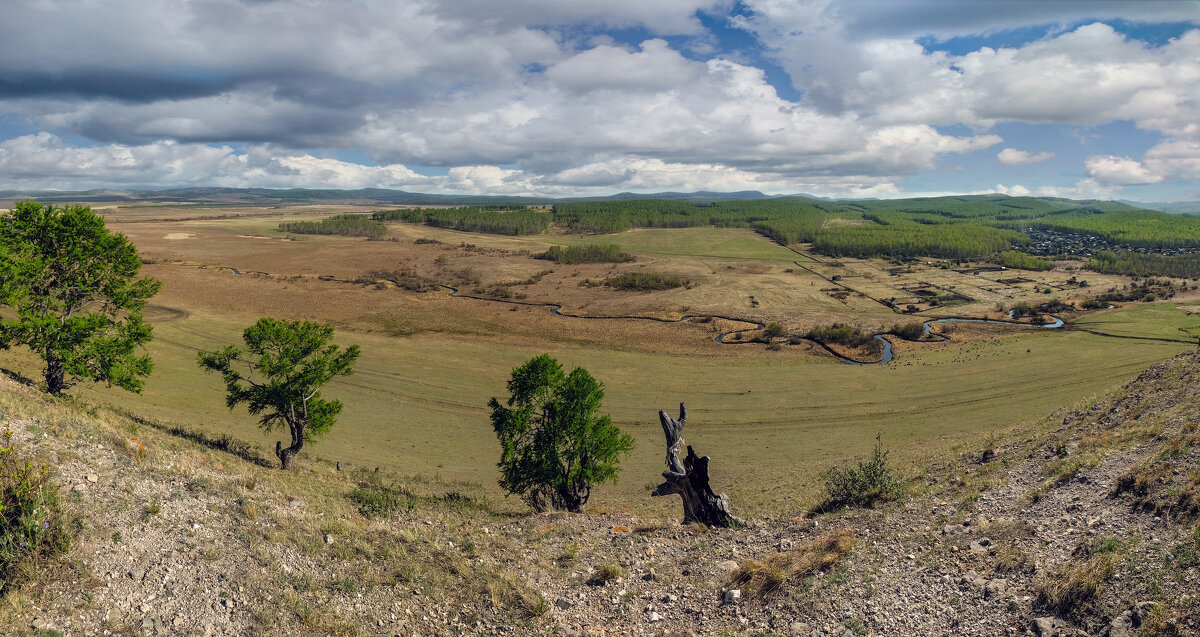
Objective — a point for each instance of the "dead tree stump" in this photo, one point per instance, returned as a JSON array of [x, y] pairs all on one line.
[[689, 479]]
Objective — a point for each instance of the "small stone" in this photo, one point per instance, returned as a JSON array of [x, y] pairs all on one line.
[[563, 604], [328, 539], [654, 617], [93, 478], [955, 529], [1044, 627], [727, 567], [732, 596], [1122, 625], [995, 588]]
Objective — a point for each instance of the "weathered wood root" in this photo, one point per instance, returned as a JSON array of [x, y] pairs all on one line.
[[689, 479]]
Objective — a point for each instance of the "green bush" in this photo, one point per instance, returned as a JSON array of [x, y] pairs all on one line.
[[910, 331], [376, 501], [865, 485], [32, 529]]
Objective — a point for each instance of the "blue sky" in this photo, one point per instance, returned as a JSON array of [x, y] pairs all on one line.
[[839, 98]]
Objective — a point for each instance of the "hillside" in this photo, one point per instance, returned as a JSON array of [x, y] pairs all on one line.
[[1086, 526]]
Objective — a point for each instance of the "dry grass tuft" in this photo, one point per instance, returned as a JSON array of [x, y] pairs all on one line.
[[762, 577], [1072, 589]]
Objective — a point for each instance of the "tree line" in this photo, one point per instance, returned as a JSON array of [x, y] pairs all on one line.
[[345, 225], [506, 220]]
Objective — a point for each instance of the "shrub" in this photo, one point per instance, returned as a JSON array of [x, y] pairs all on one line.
[[865, 485], [846, 335], [376, 501], [910, 331], [32, 529], [773, 330]]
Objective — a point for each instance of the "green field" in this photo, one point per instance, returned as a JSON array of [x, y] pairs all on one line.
[[771, 421], [418, 404]]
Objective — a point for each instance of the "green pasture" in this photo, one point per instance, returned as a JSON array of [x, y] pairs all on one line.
[[731, 243], [1144, 320], [771, 422]]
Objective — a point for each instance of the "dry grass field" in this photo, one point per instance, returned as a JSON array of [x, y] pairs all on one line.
[[771, 420]]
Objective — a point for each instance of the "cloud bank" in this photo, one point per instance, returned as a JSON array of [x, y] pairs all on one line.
[[551, 98]]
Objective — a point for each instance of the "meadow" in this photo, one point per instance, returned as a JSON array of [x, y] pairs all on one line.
[[772, 420]]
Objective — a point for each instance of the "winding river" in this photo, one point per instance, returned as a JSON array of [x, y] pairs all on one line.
[[887, 357]]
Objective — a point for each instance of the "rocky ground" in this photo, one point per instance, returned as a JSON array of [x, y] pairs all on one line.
[[1087, 528]]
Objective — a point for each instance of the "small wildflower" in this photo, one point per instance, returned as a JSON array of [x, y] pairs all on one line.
[[45, 525]]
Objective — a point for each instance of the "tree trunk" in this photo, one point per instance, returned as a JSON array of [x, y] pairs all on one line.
[[689, 479], [287, 456], [55, 374]]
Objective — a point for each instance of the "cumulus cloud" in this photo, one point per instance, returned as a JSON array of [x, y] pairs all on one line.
[[1109, 169], [1016, 157], [533, 96], [44, 161]]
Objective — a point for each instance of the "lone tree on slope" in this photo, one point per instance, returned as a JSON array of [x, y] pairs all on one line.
[[73, 287], [554, 443], [292, 360]]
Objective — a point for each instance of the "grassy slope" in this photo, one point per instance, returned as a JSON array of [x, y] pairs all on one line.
[[417, 404]]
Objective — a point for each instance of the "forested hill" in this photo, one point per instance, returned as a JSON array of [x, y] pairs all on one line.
[[946, 227]]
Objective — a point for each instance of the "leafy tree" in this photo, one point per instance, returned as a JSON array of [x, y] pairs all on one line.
[[291, 361], [554, 444], [73, 287]]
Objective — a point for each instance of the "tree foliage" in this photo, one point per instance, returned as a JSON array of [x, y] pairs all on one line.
[[74, 289], [588, 253], [1022, 261], [346, 225], [291, 361], [554, 443], [508, 220]]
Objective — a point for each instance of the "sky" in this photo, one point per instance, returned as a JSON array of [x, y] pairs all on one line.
[[835, 98]]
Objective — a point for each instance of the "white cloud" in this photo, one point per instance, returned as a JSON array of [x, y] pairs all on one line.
[[1015, 157], [1015, 190], [533, 96], [1121, 171]]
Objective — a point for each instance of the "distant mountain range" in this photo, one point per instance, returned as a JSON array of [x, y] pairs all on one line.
[[1174, 207], [381, 196], [268, 196]]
